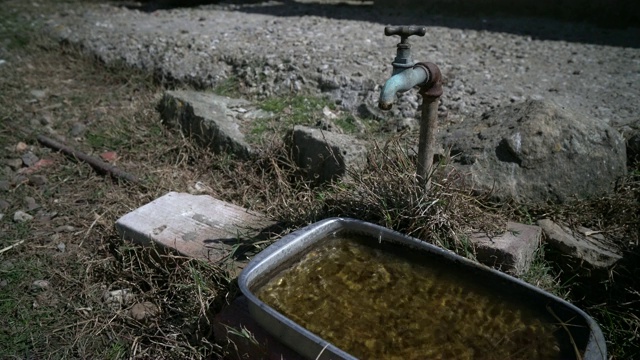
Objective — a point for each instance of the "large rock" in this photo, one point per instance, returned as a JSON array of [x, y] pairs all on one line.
[[537, 151], [326, 155], [214, 121]]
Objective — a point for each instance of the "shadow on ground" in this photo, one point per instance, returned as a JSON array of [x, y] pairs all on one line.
[[616, 27]]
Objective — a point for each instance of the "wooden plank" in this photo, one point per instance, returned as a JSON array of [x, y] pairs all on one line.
[[198, 226], [204, 227]]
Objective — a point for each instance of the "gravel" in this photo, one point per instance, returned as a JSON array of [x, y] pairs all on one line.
[[29, 159], [276, 48]]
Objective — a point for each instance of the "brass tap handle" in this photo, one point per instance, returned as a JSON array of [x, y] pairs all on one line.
[[405, 31]]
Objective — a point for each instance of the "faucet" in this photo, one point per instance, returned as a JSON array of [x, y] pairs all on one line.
[[406, 75]]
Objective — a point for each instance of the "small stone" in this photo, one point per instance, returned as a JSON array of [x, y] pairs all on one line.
[[19, 179], [45, 119], [109, 156], [115, 298], [38, 165], [4, 204], [144, 310], [61, 247], [78, 129], [21, 147], [7, 171], [199, 188], [30, 203], [38, 94], [3, 283], [328, 114], [14, 164], [45, 298], [64, 228], [40, 285], [6, 265], [21, 216], [37, 180], [29, 159], [45, 217], [5, 185]]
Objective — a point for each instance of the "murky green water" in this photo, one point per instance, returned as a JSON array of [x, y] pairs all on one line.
[[377, 301]]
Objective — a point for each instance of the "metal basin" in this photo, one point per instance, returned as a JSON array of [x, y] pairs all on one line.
[[583, 333]]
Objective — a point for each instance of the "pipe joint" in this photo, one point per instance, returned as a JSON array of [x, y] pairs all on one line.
[[432, 88]]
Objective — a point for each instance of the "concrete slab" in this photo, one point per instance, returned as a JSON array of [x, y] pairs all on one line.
[[256, 344], [326, 155], [198, 226], [213, 121], [582, 244], [510, 252]]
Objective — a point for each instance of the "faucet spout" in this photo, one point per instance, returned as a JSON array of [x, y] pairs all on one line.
[[401, 82]]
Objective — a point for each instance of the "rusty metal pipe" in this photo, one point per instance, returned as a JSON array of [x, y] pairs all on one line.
[[431, 90], [431, 93], [406, 75], [427, 140]]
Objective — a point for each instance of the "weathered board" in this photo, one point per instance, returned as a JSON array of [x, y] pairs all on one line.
[[200, 226], [197, 226]]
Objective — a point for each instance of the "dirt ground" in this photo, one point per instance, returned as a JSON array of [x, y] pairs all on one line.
[[71, 288]]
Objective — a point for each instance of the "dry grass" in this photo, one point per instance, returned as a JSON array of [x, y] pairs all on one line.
[[78, 207]]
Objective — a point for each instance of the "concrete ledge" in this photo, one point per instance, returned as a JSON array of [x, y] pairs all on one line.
[[198, 226], [213, 121]]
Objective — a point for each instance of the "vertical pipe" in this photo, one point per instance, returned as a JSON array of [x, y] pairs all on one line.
[[427, 139], [431, 93]]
